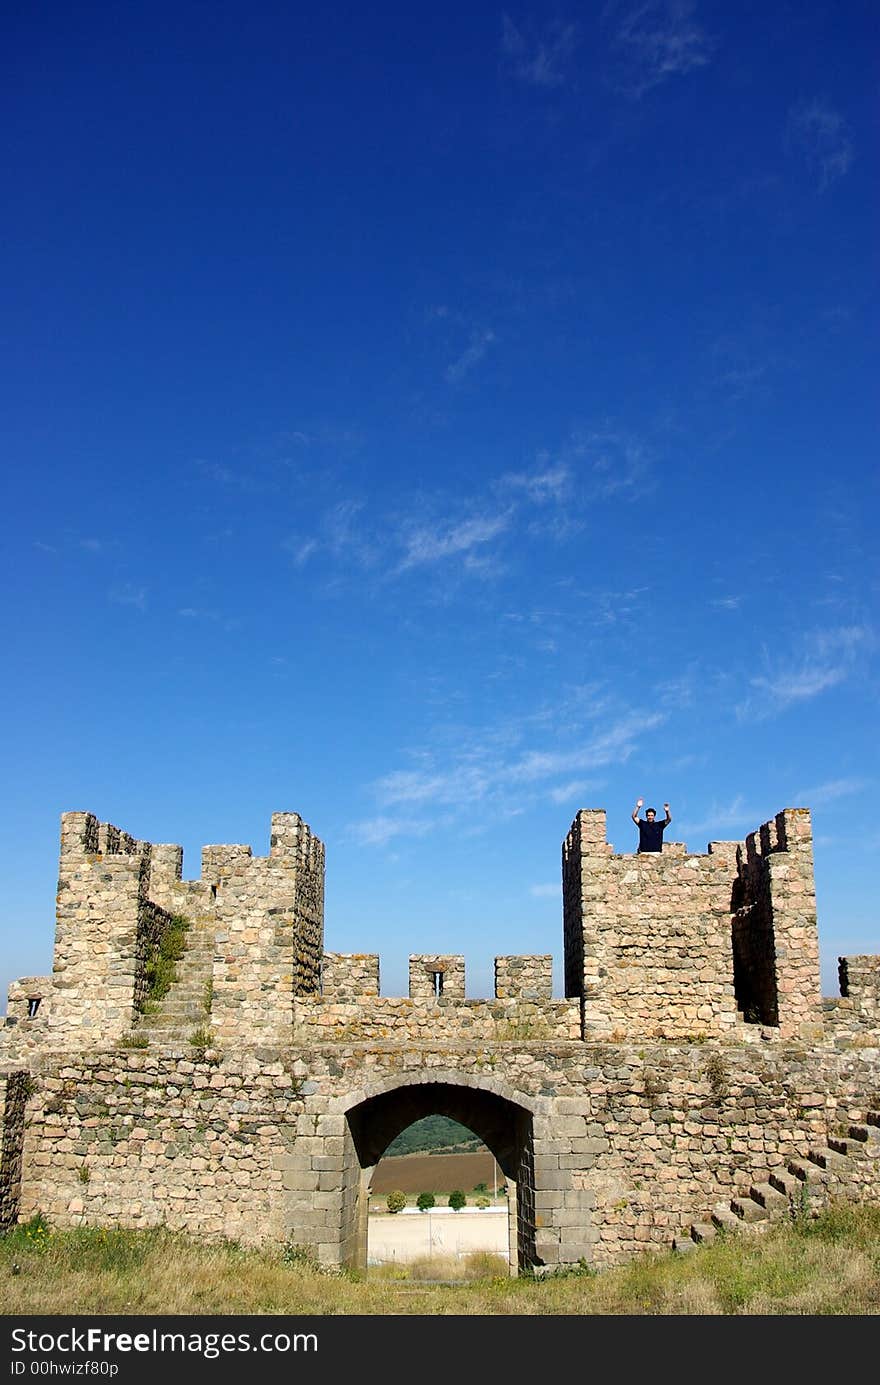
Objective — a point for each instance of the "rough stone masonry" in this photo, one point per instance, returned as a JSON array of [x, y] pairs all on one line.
[[691, 1078]]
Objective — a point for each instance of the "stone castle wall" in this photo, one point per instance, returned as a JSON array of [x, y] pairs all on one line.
[[860, 984], [857, 1011], [15, 1090], [624, 1144], [29, 998], [691, 1055]]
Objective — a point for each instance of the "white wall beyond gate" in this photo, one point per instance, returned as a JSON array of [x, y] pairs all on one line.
[[406, 1236]]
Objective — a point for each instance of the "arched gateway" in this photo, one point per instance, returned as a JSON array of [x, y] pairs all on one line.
[[505, 1126]]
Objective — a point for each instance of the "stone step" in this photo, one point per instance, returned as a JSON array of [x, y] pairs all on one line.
[[173, 1021], [192, 1007], [847, 1148], [747, 1209], [184, 1016], [807, 1172], [826, 1158], [683, 1243], [724, 1218], [170, 1003], [864, 1133], [165, 1036], [175, 997], [178, 1014], [769, 1197], [787, 1184], [182, 1008], [189, 986], [702, 1232], [793, 1188]]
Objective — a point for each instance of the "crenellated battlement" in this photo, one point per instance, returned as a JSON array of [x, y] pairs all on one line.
[[350, 1007], [82, 834], [662, 945], [434, 979]]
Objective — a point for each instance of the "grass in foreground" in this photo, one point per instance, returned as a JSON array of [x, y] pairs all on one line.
[[830, 1265]]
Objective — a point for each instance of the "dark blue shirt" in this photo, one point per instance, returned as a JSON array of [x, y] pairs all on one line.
[[651, 835]]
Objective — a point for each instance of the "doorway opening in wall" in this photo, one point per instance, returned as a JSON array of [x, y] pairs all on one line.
[[440, 1183], [438, 1205]]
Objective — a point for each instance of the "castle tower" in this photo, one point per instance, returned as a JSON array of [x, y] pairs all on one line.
[[269, 930], [676, 945], [116, 896]]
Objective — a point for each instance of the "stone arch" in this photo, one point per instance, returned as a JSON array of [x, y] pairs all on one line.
[[502, 1119]]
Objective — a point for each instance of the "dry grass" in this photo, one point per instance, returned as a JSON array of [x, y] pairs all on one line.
[[827, 1266], [445, 1269]]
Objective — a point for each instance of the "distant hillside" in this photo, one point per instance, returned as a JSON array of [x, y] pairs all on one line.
[[437, 1173], [434, 1132]]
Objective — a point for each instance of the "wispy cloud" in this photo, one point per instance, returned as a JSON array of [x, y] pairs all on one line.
[[619, 462], [721, 820], [828, 658], [302, 549], [591, 464], [490, 773], [379, 831], [654, 40], [127, 594], [460, 784], [545, 891], [821, 135], [480, 342], [735, 819], [548, 501], [425, 544], [565, 793], [798, 684], [206, 616], [538, 60], [341, 534], [548, 484], [231, 478], [743, 381], [828, 792], [342, 531]]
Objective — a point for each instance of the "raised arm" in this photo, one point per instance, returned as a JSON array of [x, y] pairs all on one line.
[[635, 811], [668, 814]]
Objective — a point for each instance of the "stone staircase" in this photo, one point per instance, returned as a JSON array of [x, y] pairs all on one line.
[[186, 1006], [803, 1188]]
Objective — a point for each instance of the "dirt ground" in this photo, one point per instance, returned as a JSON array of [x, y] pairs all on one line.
[[435, 1173]]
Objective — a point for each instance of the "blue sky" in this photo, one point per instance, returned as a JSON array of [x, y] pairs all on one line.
[[434, 421]]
